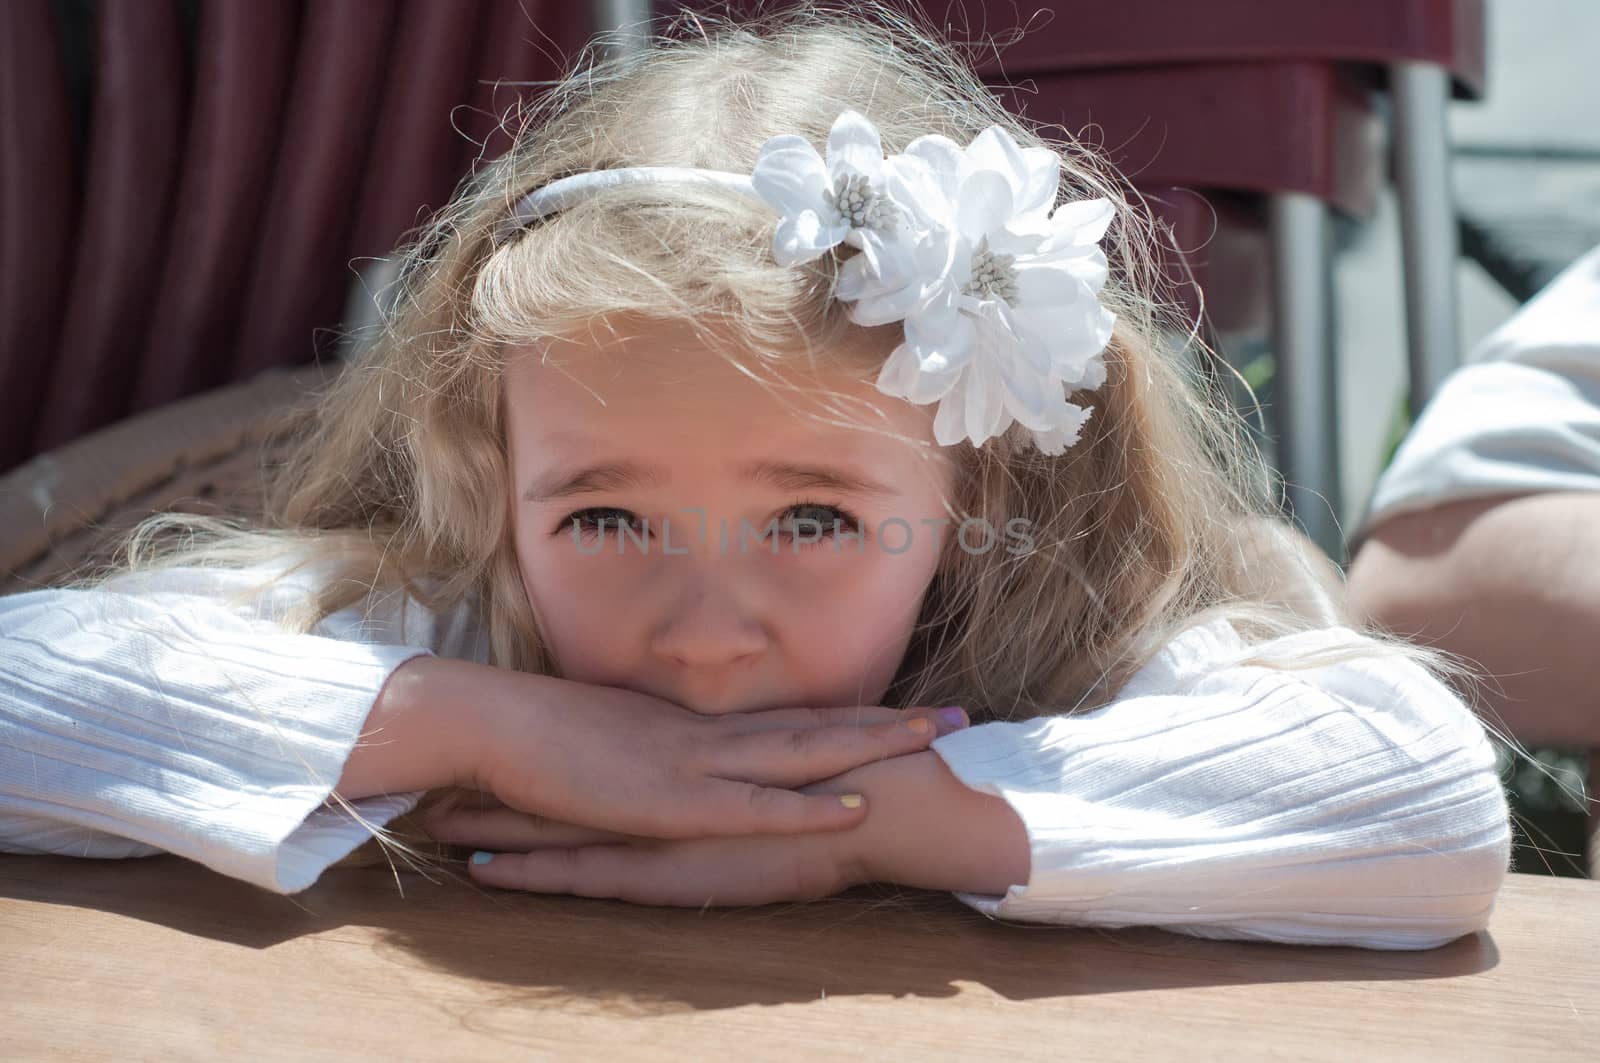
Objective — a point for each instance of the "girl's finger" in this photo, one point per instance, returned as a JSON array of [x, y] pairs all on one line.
[[798, 757], [507, 828], [677, 874], [594, 871], [723, 807]]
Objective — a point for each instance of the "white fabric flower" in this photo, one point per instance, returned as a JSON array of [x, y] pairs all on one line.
[[840, 199], [1001, 303]]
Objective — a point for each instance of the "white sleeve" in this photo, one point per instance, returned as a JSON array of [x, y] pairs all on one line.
[[1354, 803], [169, 719]]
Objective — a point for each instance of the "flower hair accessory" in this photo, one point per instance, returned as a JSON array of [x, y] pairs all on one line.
[[997, 285]]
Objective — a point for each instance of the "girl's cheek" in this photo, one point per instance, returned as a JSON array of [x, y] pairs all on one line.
[[588, 609], [562, 581], [858, 603]]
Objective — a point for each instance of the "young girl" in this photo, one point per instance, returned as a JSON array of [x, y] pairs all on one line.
[[777, 388]]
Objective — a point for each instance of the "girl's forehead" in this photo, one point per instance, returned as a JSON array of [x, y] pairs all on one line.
[[665, 393], [652, 348], [665, 373]]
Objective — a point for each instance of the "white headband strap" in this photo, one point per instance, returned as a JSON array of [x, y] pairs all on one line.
[[559, 195]]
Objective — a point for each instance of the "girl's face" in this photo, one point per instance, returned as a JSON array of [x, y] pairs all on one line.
[[674, 524]]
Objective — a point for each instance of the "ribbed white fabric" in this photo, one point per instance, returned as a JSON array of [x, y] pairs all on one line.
[[1355, 803], [1523, 414], [174, 715]]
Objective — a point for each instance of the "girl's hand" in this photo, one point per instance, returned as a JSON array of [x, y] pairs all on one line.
[[928, 830], [620, 761], [544, 856]]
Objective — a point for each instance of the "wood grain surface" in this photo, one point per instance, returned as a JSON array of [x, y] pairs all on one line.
[[160, 958]]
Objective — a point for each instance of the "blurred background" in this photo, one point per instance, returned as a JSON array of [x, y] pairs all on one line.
[[1525, 165], [198, 196]]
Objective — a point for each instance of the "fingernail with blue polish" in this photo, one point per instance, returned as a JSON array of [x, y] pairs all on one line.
[[953, 715], [482, 857]]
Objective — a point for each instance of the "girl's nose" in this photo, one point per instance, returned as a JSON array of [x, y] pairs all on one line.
[[708, 627]]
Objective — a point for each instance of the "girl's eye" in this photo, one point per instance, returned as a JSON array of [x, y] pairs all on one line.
[[806, 524], [588, 524], [817, 522]]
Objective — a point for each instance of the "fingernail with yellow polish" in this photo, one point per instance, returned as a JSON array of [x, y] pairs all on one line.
[[920, 726], [850, 800]]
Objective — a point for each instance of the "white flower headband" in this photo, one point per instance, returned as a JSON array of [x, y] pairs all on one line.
[[998, 287]]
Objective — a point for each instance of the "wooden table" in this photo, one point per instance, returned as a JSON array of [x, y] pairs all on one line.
[[160, 958]]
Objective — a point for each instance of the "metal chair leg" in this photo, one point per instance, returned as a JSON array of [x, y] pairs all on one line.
[[1428, 236], [1305, 413]]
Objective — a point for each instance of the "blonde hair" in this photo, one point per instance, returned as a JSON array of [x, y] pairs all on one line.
[[1159, 518]]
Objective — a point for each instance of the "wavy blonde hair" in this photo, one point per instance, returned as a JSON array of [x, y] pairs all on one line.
[[1159, 518]]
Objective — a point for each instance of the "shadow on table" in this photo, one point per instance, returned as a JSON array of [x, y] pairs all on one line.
[[527, 948]]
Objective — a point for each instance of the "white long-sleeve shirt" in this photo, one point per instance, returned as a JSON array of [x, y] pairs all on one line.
[[1355, 803]]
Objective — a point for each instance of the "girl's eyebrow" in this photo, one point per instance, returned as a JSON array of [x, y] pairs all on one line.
[[784, 475]]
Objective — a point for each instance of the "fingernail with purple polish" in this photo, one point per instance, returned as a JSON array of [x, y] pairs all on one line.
[[953, 715]]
